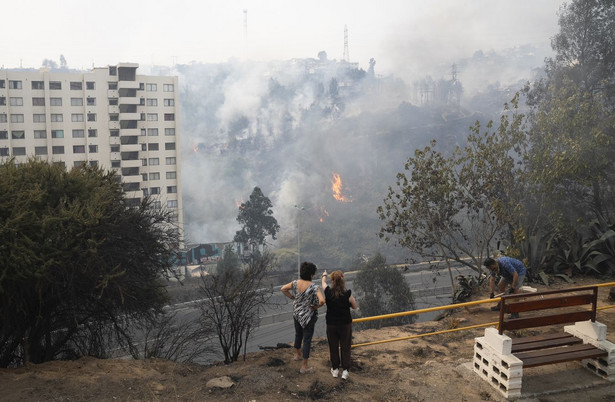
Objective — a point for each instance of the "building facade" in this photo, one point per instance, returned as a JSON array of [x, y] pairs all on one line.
[[109, 117]]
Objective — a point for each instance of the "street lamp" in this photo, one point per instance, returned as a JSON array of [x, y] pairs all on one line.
[[300, 208]]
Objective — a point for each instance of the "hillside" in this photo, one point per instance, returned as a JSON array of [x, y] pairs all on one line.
[[433, 368]]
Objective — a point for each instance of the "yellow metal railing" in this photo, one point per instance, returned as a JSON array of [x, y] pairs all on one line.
[[446, 307]]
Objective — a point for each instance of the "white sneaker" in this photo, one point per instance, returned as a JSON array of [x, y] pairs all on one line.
[[335, 372], [345, 375]]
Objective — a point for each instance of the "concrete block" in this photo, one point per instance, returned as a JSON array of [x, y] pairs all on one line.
[[501, 343], [592, 330]]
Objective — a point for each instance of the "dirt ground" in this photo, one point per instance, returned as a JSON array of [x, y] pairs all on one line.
[[433, 368]]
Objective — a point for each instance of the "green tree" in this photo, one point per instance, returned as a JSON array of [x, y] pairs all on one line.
[[382, 289], [455, 207], [256, 218], [228, 262], [232, 301], [78, 265]]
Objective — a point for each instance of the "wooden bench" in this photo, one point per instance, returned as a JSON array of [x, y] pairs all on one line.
[[555, 308], [501, 359]]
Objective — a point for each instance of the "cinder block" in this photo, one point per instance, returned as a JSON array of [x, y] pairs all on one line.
[[592, 330], [501, 343]]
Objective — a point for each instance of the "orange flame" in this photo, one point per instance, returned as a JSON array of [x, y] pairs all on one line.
[[323, 214], [336, 187]]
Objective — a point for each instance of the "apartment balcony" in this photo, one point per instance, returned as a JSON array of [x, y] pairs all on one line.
[[130, 116], [131, 131], [114, 125], [114, 109], [113, 93], [128, 84], [130, 100]]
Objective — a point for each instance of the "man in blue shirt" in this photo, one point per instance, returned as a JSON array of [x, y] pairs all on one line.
[[511, 271]]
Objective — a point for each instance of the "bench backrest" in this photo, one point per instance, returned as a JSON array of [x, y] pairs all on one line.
[[555, 305]]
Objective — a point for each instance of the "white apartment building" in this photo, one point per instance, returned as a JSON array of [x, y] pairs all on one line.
[[110, 117]]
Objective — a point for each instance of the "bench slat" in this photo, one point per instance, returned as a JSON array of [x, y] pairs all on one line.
[[559, 355], [540, 321], [544, 341], [547, 303]]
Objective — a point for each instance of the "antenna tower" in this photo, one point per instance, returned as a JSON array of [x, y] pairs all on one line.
[[346, 53]]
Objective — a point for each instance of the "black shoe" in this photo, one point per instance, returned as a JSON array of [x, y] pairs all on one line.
[[496, 307], [512, 316]]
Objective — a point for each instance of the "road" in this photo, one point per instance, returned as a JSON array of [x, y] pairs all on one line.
[[430, 288]]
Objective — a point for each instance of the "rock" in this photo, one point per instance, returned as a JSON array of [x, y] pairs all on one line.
[[220, 382]]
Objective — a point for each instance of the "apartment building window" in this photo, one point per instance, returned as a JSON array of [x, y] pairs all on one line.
[[78, 134], [93, 149], [153, 161], [130, 156], [172, 204], [40, 150], [153, 146], [76, 117], [19, 151], [76, 85], [2, 118], [93, 133], [4, 152], [154, 176], [38, 85], [171, 189], [169, 102], [151, 87], [76, 101], [169, 146], [57, 134], [143, 131], [38, 134], [142, 117], [115, 148], [114, 133], [152, 117], [156, 204], [55, 101], [152, 132], [91, 101], [145, 192], [144, 162], [115, 164], [38, 101], [4, 135], [167, 87], [57, 149], [91, 85], [112, 70], [171, 175], [78, 163], [18, 135], [94, 163], [143, 147], [152, 102], [114, 117], [113, 85], [38, 118], [57, 117], [17, 118], [154, 190], [55, 85], [144, 176], [113, 102], [169, 116], [2, 100], [17, 101], [142, 102], [91, 116], [2, 83], [170, 160], [14, 84]]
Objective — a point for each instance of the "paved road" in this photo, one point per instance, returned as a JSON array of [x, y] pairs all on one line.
[[430, 288]]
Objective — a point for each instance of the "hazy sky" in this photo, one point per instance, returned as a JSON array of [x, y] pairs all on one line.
[[398, 34]]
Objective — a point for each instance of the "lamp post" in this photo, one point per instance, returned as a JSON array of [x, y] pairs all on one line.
[[300, 208]]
